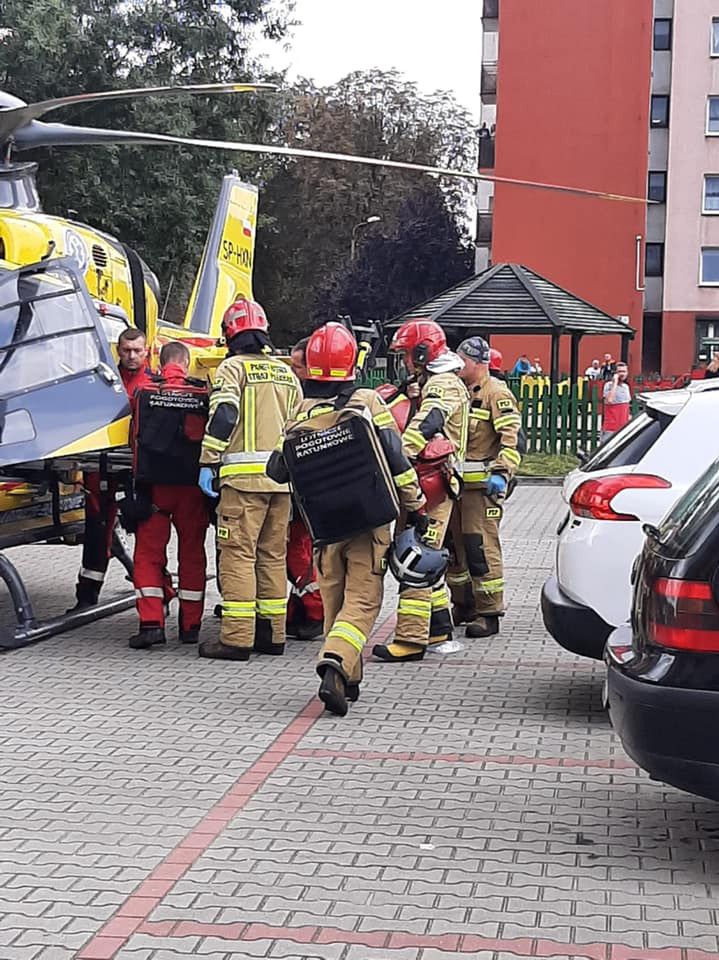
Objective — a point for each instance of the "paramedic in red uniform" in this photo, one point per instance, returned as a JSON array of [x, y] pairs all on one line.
[[169, 418], [100, 507]]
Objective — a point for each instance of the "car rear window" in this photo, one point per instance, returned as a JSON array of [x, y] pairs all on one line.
[[681, 531], [630, 444]]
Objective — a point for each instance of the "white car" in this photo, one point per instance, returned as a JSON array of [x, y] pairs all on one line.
[[631, 480]]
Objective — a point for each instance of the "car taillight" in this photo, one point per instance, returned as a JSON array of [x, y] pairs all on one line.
[[684, 615], [593, 498]]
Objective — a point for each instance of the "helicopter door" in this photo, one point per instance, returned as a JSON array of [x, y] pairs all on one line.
[[60, 391]]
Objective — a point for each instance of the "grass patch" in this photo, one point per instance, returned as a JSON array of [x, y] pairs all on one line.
[[547, 465]]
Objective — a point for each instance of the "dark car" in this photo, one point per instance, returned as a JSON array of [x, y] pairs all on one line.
[[663, 676]]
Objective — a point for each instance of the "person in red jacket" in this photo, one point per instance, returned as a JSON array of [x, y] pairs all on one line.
[[169, 418], [100, 506], [305, 613]]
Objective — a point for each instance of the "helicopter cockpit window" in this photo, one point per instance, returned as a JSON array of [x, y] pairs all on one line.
[[47, 331], [7, 198]]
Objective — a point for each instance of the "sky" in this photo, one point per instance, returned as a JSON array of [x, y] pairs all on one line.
[[437, 45]]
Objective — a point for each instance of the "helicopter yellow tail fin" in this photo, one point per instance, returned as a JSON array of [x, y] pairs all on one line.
[[226, 267]]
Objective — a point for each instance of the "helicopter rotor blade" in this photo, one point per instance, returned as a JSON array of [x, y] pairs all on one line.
[[58, 134], [14, 117]]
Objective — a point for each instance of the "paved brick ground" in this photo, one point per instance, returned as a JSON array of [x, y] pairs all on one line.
[[154, 806]]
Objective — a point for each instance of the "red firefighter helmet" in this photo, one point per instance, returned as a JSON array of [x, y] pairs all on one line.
[[495, 359], [400, 406], [243, 315], [420, 340], [331, 354]]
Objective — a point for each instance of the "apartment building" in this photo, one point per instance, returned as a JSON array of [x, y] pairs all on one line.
[[620, 97]]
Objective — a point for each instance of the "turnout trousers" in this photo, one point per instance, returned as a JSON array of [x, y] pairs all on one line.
[[252, 537], [476, 575], [100, 515], [423, 616], [351, 577], [305, 603], [184, 508]]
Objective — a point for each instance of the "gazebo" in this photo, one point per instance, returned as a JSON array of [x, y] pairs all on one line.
[[512, 299]]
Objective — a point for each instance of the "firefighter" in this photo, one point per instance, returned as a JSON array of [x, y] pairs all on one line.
[[423, 615], [169, 418], [100, 489], [477, 576], [253, 396], [305, 614], [344, 456]]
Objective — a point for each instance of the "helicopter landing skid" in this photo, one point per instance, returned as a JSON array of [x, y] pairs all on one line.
[[30, 630]]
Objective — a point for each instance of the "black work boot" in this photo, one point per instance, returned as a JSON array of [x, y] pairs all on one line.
[[263, 639], [217, 650], [333, 688], [190, 636], [353, 686], [217, 612], [147, 637], [310, 630], [484, 626], [462, 614]]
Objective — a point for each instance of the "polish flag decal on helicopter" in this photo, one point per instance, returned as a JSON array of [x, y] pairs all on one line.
[[247, 228]]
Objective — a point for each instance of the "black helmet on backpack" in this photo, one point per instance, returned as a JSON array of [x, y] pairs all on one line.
[[413, 563]]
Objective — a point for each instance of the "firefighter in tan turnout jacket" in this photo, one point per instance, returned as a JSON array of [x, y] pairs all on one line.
[[476, 578], [349, 475], [253, 397], [423, 615]]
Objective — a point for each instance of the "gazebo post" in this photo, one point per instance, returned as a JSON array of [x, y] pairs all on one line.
[[574, 361], [626, 339], [554, 365]]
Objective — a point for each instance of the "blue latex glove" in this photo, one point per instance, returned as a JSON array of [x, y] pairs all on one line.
[[496, 485], [205, 482]]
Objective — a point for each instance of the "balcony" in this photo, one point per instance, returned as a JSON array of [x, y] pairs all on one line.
[[486, 149], [488, 86], [484, 229]]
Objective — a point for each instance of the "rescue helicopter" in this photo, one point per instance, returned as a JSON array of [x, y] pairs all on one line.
[[67, 290]]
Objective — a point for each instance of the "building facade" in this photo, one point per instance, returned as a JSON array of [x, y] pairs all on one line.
[[617, 97]]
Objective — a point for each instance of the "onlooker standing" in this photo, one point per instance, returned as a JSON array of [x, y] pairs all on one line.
[[594, 372], [617, 400], [712, 369], [522, 367], [609, 367], [537, 370]]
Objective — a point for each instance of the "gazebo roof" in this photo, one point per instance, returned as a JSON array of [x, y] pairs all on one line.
[[510, 298]]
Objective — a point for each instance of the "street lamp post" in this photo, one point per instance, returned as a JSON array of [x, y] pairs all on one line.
[[356, 228]]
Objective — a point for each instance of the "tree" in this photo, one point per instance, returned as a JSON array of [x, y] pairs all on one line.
[[158, 200], [309, 208], [425, 254]]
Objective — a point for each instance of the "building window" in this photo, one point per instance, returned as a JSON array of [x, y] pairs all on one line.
[[654, 260], [657, 190], [710, 266], [713, 115], [660, 111], [715, 37], [662, 34], [711, 194]]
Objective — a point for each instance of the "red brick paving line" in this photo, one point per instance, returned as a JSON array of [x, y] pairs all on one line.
[[391, 940], [469, 758], [132, 914]]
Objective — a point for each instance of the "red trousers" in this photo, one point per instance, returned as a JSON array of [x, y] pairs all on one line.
[[305, 602], [100, 514], [184, 508]]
